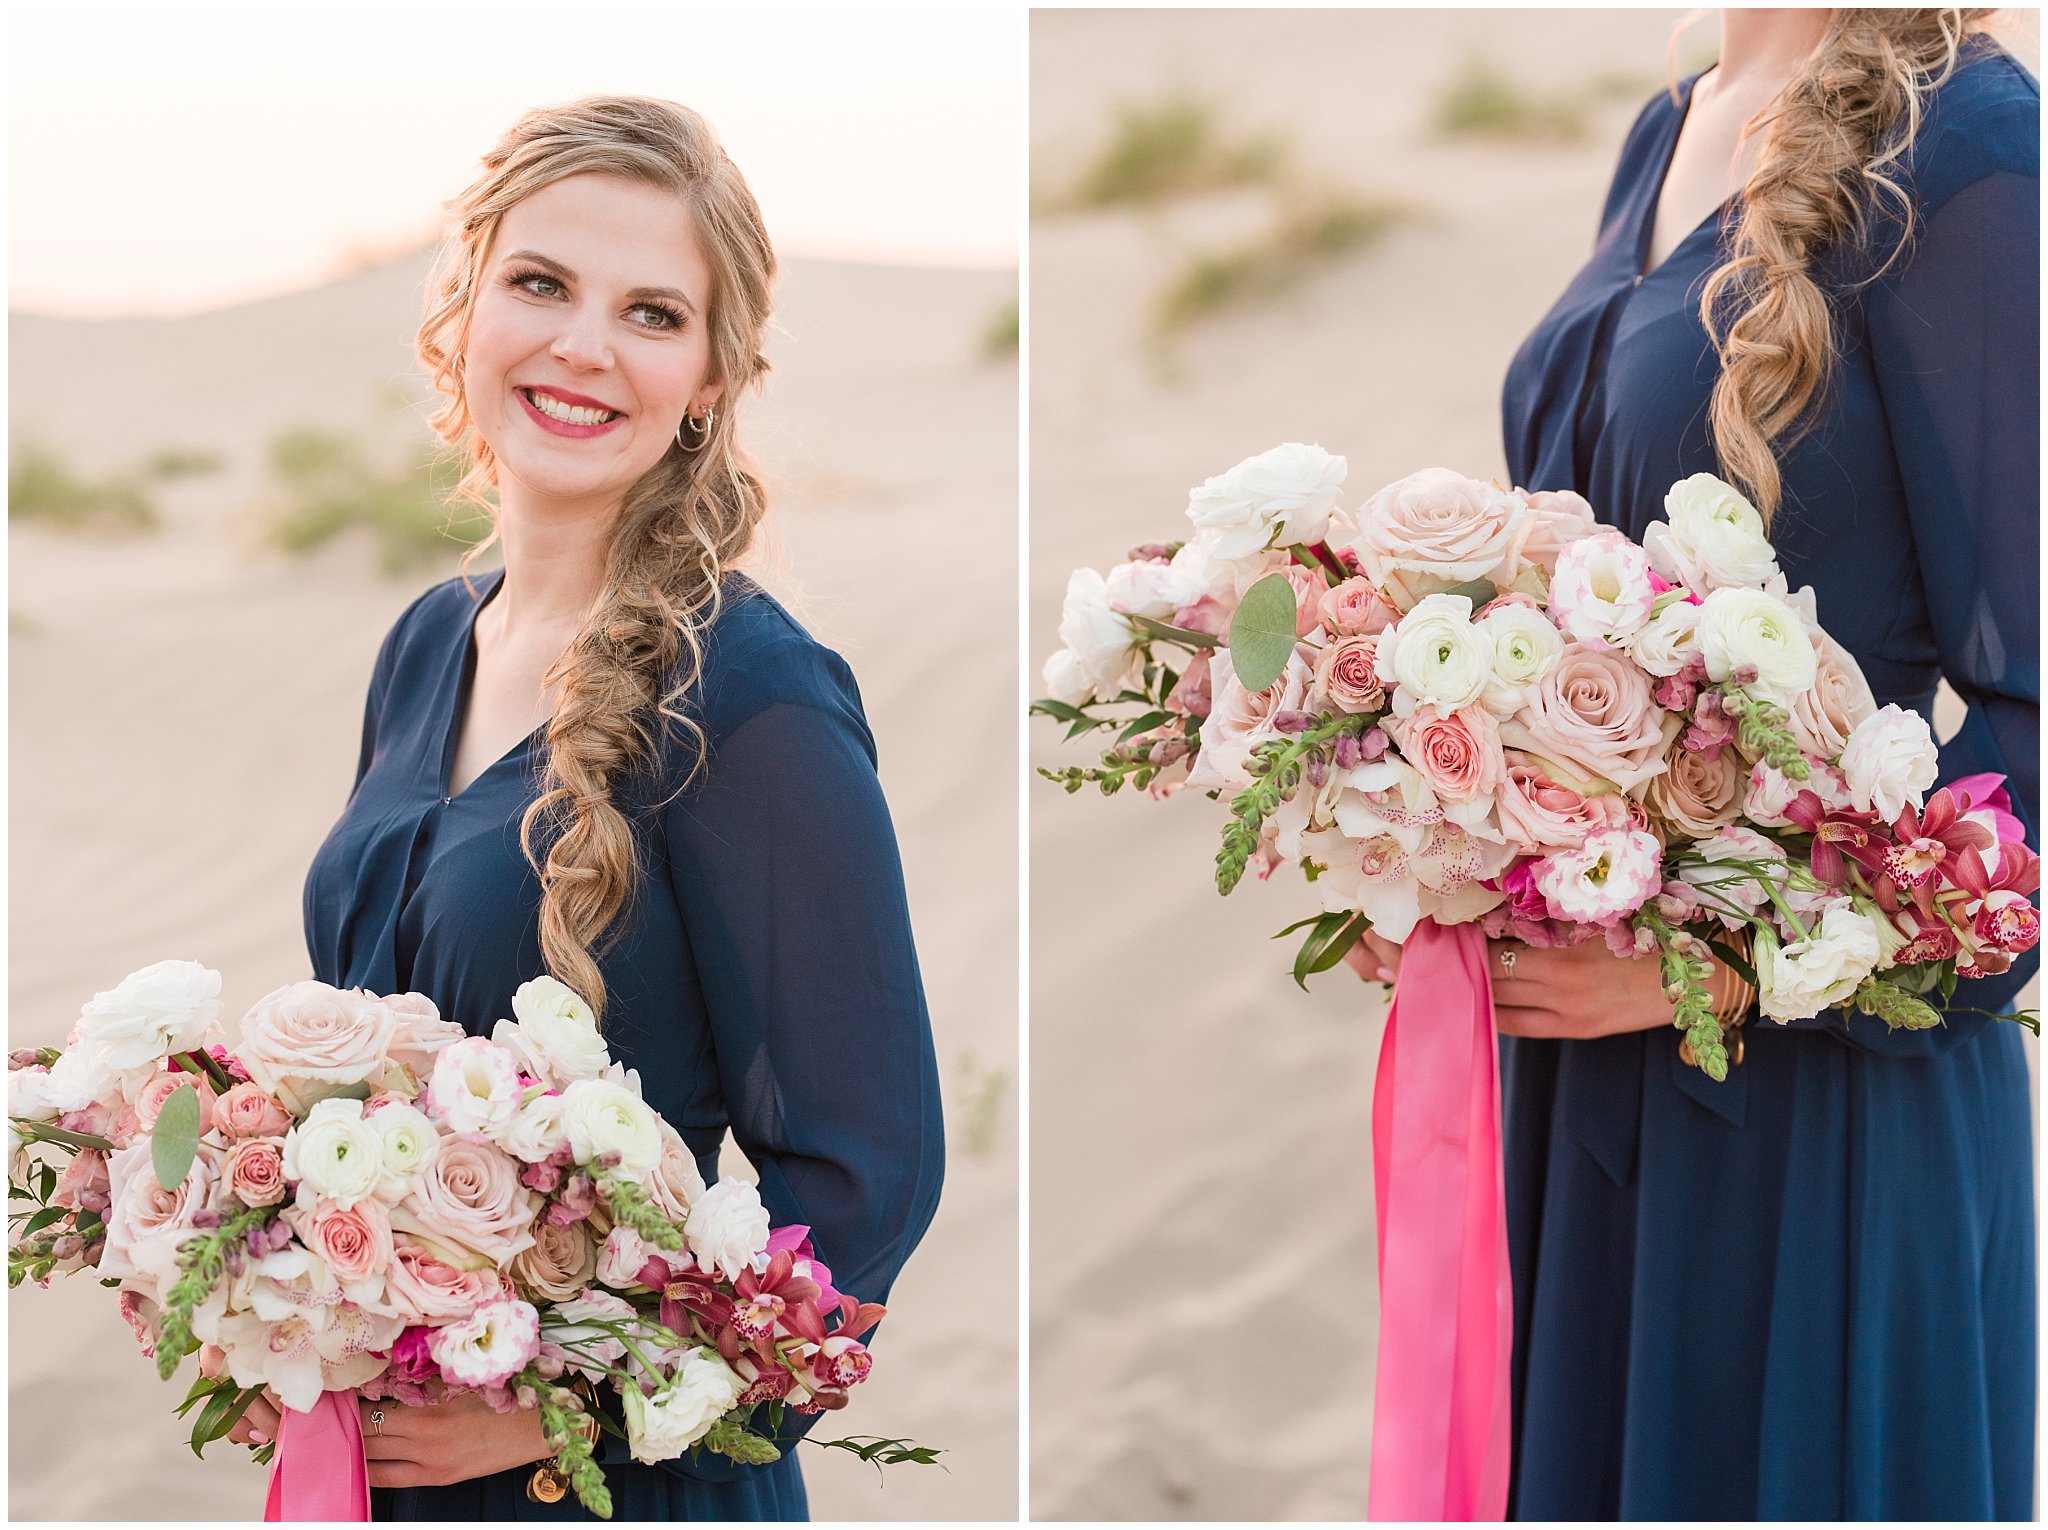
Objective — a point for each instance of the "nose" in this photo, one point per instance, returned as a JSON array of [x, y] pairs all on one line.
[[584, 342]]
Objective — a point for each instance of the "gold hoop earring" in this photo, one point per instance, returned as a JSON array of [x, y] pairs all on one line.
[[703, 430]]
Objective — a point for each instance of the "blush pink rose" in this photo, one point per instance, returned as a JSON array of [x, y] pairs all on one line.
[[1240, 720], [562, 1261], [1825, 715], [246, 1111], [1309, 585], [1594, 716], [82, 1184], [675, 1183], [145, 1222], [306, 1041], [1458, 753], [253, 1171], [1434, 530], [1346, 675], [1557, 517], [423, 1289], [354, 1240], [420, 1032], [468, 1204], [1354, 609], [1538, 815], [150, 1101]]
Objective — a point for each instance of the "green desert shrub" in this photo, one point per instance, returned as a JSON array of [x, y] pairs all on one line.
[[1483, 102], [43, 489], [331, 485], [1172, 147]]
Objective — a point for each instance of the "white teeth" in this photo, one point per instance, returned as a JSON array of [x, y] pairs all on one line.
[[568, 414]]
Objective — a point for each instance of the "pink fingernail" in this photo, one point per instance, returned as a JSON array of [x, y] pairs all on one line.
[[1386, 974], [258, 1437]]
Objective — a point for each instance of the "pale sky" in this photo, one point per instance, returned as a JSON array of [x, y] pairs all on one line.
[[171, 157]]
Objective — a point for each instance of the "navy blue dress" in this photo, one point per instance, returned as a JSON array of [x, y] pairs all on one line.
[[1807, 1292], [763, 979]]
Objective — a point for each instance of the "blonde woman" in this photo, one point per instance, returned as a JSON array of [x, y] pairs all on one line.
[[1807, 1292], [618, 761]]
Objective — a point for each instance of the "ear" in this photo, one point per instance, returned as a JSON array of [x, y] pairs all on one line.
[[707, 397]]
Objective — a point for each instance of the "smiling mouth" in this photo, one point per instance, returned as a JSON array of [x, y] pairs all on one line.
[[568, 414]]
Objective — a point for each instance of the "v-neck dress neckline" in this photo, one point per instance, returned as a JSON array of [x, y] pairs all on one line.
[[465, 679], [1646, 232]]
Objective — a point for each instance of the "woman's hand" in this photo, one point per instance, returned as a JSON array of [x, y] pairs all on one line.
[[446, 1442], [1374, 959], [1576, 992]]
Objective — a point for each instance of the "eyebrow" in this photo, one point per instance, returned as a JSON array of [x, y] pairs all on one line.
[[638, 292]]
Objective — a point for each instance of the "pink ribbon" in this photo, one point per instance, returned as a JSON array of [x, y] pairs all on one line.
[[318, 1472], [1440, 1401]]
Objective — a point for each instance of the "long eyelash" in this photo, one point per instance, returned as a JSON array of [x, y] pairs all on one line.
[[675, 316]]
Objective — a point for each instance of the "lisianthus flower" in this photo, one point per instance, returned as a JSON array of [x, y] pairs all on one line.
[[1607, 878], [488, 1346]]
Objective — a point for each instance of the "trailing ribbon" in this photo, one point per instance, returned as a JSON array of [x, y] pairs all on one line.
[[318, 1472], [1440, 1400]]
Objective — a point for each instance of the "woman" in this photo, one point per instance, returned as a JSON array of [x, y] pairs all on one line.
[[1807, 1292], [617, 761]]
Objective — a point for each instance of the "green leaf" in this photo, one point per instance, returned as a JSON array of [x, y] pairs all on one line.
[[1143, 724], [1333, 935], [1733, 958], [1478, 591], [1059, 710], [176, 1138], [1168, 633], [42, 1219], [1262, 632], [42, 1131]]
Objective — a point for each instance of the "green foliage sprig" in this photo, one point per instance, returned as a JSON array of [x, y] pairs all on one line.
[[1278, 764], [1760, 727], [1685, 981]]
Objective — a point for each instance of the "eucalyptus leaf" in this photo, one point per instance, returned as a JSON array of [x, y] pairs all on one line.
[[1262, 632], [1168, 633], [175, 1141]]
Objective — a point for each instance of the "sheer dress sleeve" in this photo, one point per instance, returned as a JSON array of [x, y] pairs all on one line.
[[1954, 336], [786, 870]]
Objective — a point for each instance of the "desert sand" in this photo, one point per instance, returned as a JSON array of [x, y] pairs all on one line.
[[186, 712], [1199, 1141]]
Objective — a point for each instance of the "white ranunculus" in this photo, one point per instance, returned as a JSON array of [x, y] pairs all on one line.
[[1526, 647], [409, 1142], [164, 1008], [1890, 761], [728, 1228], [1740, 629], [1800, 979], [662, 1427], [537, 1132], [1275, 499], [334, 1154], [475, 1091], [1668, 641], [1711, 538], [1099, 639], [1436, 655], [600, 1117], [554, 1034]]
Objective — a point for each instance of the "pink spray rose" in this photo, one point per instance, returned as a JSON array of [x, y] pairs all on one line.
[[1354, 609], [355, 1240], [1346, 675], [253, 1171], [1537, 814], [150, 1101], [1458, 753], [246, 1111]]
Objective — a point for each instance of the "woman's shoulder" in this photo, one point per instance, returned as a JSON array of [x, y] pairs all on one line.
[[757, 654], [434, 613], [1983, 119]]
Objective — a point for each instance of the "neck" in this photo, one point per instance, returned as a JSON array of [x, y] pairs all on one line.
[[1765, 48], [554, 560]]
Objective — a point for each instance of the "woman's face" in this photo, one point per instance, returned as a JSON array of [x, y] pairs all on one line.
[[592, 305]]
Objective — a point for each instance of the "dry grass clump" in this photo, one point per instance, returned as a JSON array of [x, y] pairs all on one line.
[[43, 490], [999, 337], [331, 485], [1309, 235], [1172, 147], [1483, 102]]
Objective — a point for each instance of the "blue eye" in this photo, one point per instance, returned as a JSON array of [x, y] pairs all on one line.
[[671, 318]]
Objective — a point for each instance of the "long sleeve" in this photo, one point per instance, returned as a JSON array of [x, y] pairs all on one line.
[[1954, 337], [786, 869]]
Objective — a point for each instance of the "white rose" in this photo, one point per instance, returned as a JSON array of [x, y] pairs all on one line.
[[554, 1034], [662, 1427], [1097, 638], [334, 1154], [1526, 647], [408, 1141], [1668, 641], [1066, 680], [1142, 589], [475, 1091], [1436, 654], [1199, 572], [1890, 760], [1740, 628], [164, 1008], [1711, 538], [1800, 979], [728, 1228], [620, 1260], [600, 1117], [1277, 498], [537, 1132]]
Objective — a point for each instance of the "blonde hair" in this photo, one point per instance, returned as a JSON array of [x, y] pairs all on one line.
[[1836, 135], [682, 525]]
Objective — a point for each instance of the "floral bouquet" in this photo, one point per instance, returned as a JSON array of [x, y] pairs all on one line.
[[363, 1197], [1470, 711]]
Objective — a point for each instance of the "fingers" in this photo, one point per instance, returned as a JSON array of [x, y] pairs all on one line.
[[830, 1400], [211, 1360], [258, 1425], [1541, 1024], [402, 1474]]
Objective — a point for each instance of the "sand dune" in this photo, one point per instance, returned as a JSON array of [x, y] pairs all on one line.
[[186, 709], [1200, 1174]]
